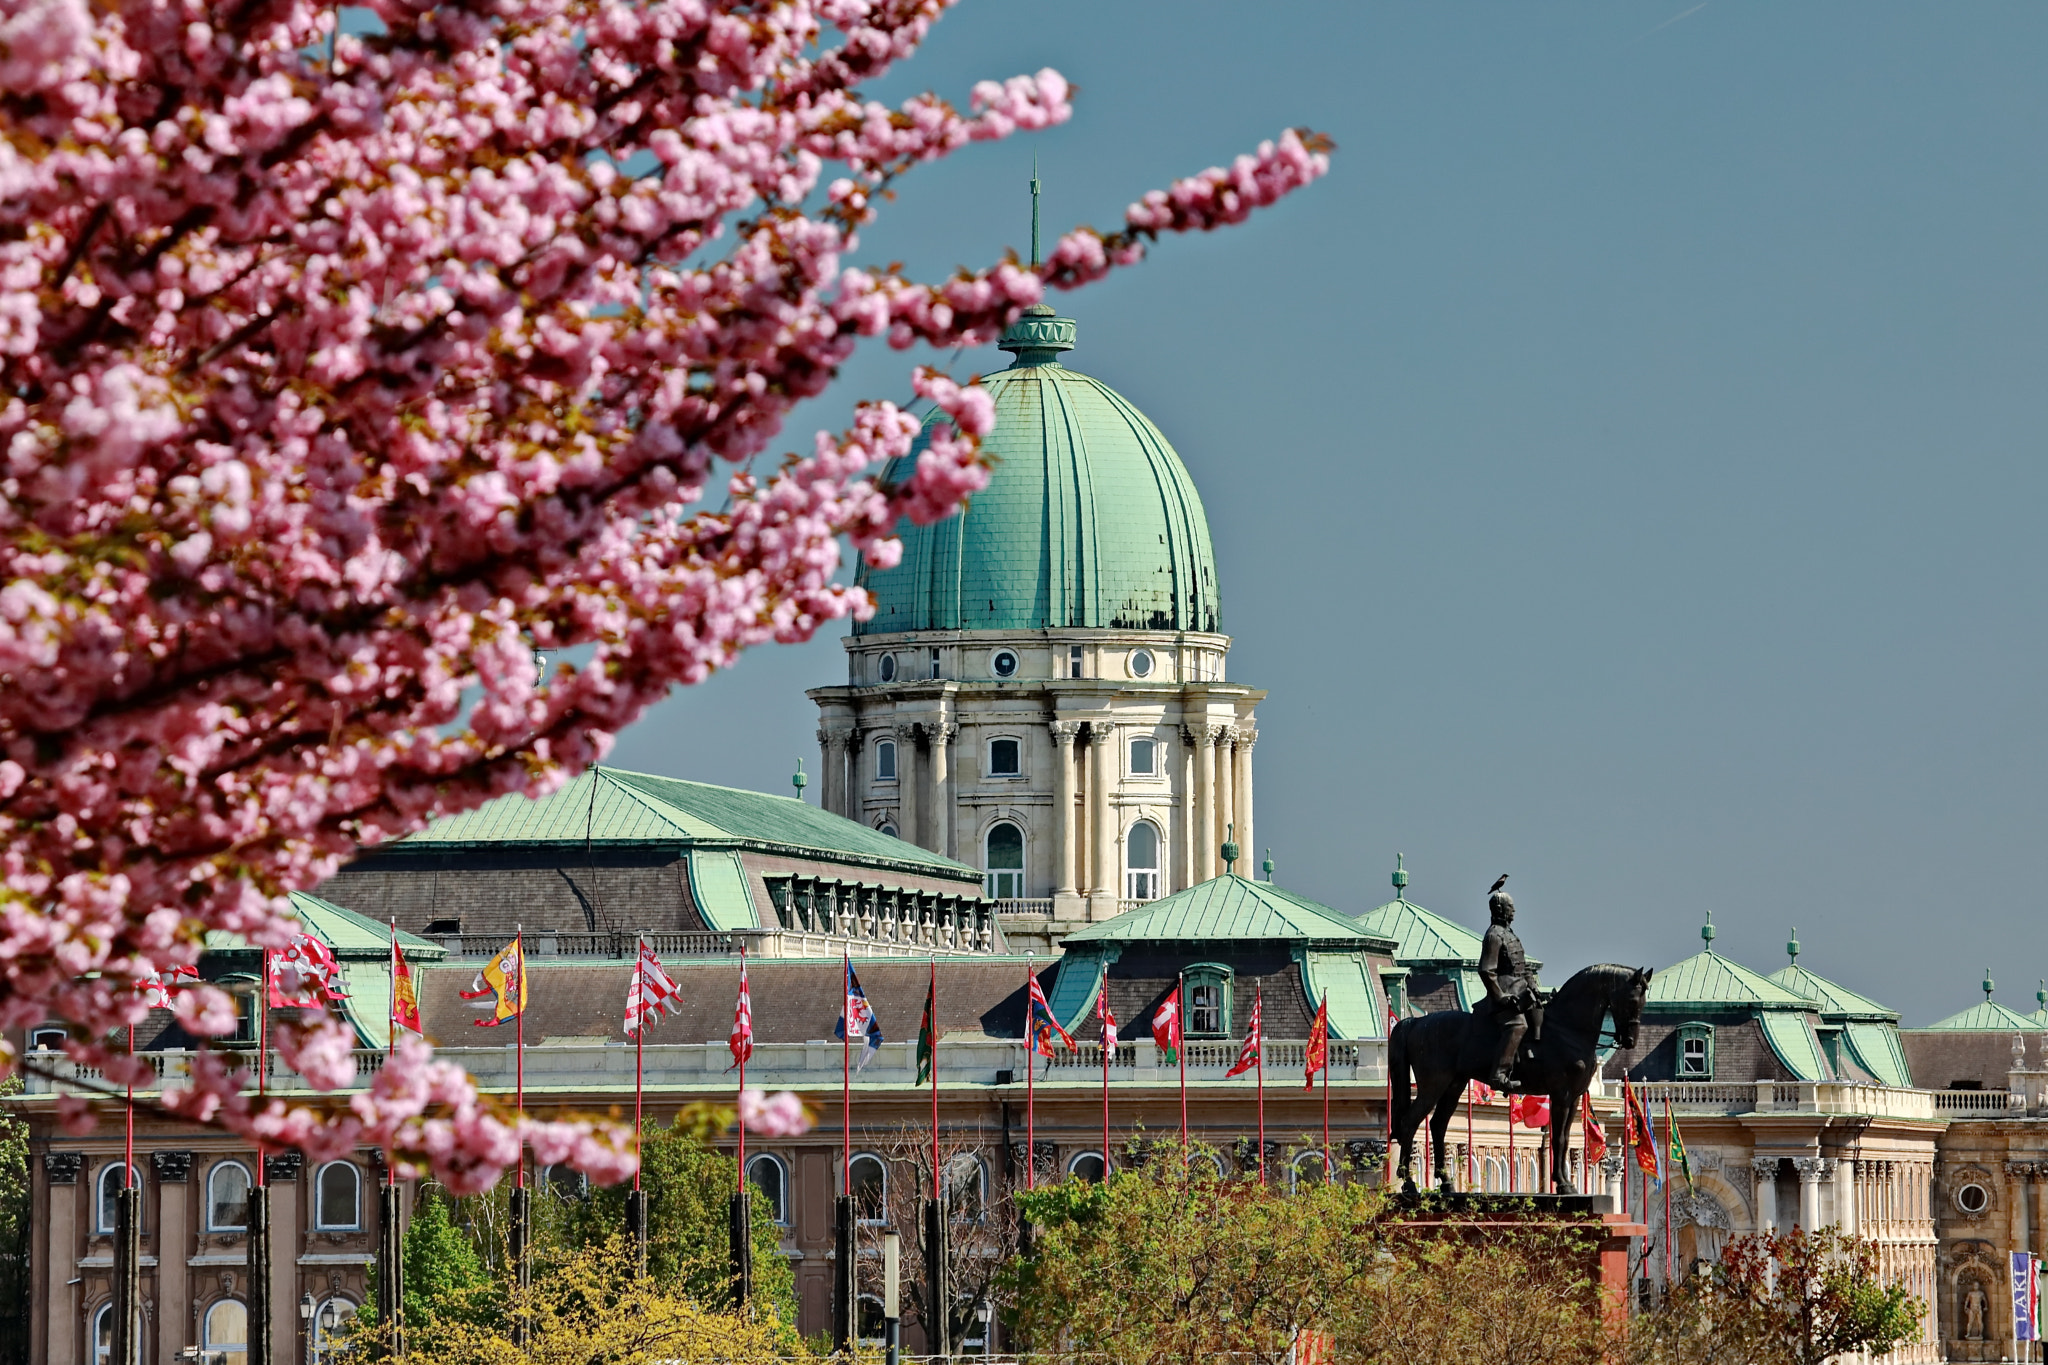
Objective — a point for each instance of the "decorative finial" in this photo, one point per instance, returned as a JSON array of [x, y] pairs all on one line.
[[1792, 945], [1707, 931], [1230, 850], [1035, 262], [1400, 877], [1988, 983], [799, 781], [1269, 865], [2041, 996]]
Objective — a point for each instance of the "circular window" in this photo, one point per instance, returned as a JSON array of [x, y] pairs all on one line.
[[1141, 663], [1004, 663], [1973, 1198], [888, 668]]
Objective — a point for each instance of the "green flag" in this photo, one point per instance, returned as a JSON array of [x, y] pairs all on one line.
[[1678, 1156], [928, 1036]]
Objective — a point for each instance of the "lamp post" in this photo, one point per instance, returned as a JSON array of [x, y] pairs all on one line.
[[892, 1325], [306, 1318]]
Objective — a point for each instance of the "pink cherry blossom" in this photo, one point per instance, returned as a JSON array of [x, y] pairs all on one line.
[[342, 372], [779, 1115]]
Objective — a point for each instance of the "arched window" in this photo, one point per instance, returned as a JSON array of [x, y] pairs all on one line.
[[966, 1188], [1088, 1166], [328, 1339], [1141, 862], [871, 1320], [110, 1186], [227, 1197], [771, 1178], [1309, 1168], [565, 1182], [869, 1188], [226, 1333], [1496, 1178], [103, 1335], [1207, 1161], [1005, 861], [338, 1197], [889, 829], [885, 761]]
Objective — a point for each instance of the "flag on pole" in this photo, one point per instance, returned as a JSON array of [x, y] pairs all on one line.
[[857, 1019], [1107, 1020], [2026, 1297], [1317, 1054], [405, 996], [1248, 1055], [156, 992], [503, 979], [1678, 1155], [1596, 1138], [741, 1043], [1482, 1092], [653, 993], [1040, 1027], [1531, 1111], [304, 975], [928, 1033], [1637, 1135], [1166, 1031]]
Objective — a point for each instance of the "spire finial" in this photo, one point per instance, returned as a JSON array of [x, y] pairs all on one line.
[[1792, 945], [1034, 211], [798, 780], [1269, 864], [1230, 850], [2041, 996], [1400, 877], [1707, 931], [1989, 984]]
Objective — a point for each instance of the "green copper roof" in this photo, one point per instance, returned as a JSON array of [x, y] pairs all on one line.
[[611, 807], [351, 936], [1422, 935], [1707, 978], [1089, 518], [1987, 1016], [1833, 1000], [1229, 907]]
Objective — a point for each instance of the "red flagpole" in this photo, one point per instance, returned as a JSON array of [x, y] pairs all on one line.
[[391, 1038], [937, 1193], [1102, 1044], [640, 1056], [128, 1171], [1259, 1013], [846, 1074], [743, 1081], [1669, 1263], [262, 1055], [1391, 1021], [1514, 1166], [1030, 1085], [1180, 1026], [1329, 1162], [519, 1042]]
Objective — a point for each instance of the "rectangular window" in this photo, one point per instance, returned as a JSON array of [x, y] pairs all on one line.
[[1143, 763], [885, 761], [1205, 1007], [1696, 1052], [1004, 759], [1074, 662], [935, 663]]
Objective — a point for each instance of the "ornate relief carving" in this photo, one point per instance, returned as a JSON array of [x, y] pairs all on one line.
[[1812, 1168], [906, 732], [63, 1167], [1763, 1168], [282, 1167], [1063, 732], [172, 1166], [1100, 732]]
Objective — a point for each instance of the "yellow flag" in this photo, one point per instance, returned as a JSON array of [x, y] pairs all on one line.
[[504, 976]]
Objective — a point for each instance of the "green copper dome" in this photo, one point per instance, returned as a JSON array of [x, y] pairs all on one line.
[[1089, 518]]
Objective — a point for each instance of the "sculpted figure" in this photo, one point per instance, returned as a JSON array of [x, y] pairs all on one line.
[[1510, 989]]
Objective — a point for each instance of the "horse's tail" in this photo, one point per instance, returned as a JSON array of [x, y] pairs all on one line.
[[1399, 1076]]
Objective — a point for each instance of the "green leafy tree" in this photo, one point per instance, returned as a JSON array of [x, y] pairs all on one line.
[[447, 1283]]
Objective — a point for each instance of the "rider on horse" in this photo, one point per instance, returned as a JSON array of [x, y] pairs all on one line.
[[1511, 996]]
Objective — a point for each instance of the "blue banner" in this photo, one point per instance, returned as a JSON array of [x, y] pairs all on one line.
[[2025, 1298]]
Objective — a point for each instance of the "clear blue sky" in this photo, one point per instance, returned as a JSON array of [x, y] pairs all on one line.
[[1625, 468]]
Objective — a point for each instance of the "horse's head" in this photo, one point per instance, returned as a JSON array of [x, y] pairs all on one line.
[[1626, 1006]]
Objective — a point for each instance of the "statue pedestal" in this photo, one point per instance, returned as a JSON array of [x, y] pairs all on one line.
[[1472, 1215]]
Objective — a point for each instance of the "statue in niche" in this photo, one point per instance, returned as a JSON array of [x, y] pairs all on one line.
[[1975, 1307]]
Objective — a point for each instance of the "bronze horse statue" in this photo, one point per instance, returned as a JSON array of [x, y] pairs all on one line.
[[1439, 1053]]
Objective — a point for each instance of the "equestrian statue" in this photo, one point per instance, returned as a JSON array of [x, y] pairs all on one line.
[[1516, 1040]]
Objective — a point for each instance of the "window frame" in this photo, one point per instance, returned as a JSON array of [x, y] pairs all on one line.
[[38, 1034], [980, 1213], [1151, 663], [1073, 1162], [320, 1219], [990, 873], [1694, 1032], [1152, 765], [995, 663], [861, 1303], [781, 1174], [317, 1349], [885, 668], [1221, 977], [102, 1197], [885, 771], [988, 752], [1077, 662], [1321, 1158], [882, 1211], [554, 1188], [218, 1169], [888, 827], [1133, 890], [206, 1341]]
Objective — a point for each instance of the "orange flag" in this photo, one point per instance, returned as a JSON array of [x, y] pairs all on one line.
[[1596, 1137], [405, 1000], [1318, 1055]]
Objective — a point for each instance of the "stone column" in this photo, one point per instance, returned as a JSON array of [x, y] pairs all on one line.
[[942, 786], [829, 796], [1063, 732], [1102, 830], [173, 1229], [60, 1248], [1185, 811], [1246, 738], [906, 786], [1765, 1170], [1811, 1169], [1845, 1195], [1226, 766], [1202, 815]]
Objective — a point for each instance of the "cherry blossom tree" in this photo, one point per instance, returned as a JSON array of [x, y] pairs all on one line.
[[348, 372]]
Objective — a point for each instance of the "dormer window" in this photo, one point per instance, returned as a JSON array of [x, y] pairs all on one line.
[[1208, 1001], [1695, 1052]]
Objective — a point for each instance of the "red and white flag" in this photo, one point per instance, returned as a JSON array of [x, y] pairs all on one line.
[[742, 1040], [1166, 1025], [156, 992], [1248, 1055], [652, 995], [1107, 1019], [304, 975]]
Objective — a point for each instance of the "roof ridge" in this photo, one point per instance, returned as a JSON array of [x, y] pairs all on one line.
[[645, 798]]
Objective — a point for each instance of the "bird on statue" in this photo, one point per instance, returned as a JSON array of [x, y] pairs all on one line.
[[1499, 882]]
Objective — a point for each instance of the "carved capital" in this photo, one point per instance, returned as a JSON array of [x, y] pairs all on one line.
[[1063, 732], [1811, 1168], [905, 732], [1247, 738], [944, 732], [1764, 1167], [284, 1166], [1100, 732], [171, 1166], [63, 1167], [1217, 734], [2023, 1170], [1610, 1166]]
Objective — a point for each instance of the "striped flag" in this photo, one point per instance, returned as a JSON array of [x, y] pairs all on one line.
[[742, 1040], [1248, 1055], [1040, 1027], [1107, 1020], [304, 975], [653, 993]]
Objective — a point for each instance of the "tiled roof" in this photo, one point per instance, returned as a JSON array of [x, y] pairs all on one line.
[[1832, 999], [611, 807], [1422, 935], [1707, 978], [1226, 908]]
